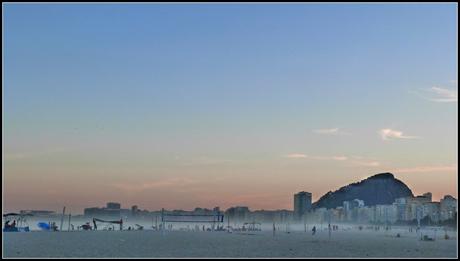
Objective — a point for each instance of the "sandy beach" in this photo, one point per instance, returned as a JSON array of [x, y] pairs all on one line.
[[149, 243]]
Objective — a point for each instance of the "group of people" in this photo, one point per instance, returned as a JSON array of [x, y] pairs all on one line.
[[377, 228], [333, 227], [53, 226], [8, 225], [330, 227]]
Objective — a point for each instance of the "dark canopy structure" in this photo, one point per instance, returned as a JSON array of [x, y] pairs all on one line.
[[120, 222]]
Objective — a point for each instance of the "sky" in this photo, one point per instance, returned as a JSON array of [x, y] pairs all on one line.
[[180, 106]]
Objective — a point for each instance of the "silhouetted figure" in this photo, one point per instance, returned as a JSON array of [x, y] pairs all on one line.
[[313, 230]]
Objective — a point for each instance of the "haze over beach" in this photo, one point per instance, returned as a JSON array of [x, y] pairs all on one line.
[[183, 106], [254, 130]]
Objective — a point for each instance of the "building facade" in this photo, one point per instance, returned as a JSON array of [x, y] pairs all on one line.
[[302, 204]]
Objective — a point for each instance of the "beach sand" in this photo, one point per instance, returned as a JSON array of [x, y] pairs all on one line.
[[149, 243]]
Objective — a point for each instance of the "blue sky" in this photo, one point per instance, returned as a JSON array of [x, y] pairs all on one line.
[[99, 87]]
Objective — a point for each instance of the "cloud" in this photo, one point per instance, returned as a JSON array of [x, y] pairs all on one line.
[[304, 156], [296, 156], [352, 161], [364, 161], [339, 158], [394, 134], [422, 169], [202, 161], [367, 163], [15, 156], [332, 131], [438, 94], [326, 131], [159, 184], [444, 95], [29, 155]]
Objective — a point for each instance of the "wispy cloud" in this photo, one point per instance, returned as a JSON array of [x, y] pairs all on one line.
[[304, 156], [332, 131], [352, 161], [326, 131], [205, 161], [387, 134], [296, 156], [15, 156], [372, 163], [340, 158], [158, 184], [364, 161], [28, 155], [420, 169], [439, 94], [444, 95]]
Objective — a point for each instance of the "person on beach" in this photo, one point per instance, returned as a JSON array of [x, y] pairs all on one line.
[[313, 230], [54, 226]]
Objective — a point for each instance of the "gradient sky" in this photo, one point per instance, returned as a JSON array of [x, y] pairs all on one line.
[[202, 105]]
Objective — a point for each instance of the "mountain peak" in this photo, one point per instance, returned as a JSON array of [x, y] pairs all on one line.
[[386, 175], [382, 188]]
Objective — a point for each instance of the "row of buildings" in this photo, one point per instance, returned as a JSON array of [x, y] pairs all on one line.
[[403, 210], [234, 214], [406, 209], [114, 210]]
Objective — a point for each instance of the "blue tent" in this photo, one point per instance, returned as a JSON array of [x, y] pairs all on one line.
[[44, 226]]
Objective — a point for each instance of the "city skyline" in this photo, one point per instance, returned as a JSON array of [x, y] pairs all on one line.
[[209, 105], [191, 208]]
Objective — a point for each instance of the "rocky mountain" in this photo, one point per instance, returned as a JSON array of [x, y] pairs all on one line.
[[381, 188]]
